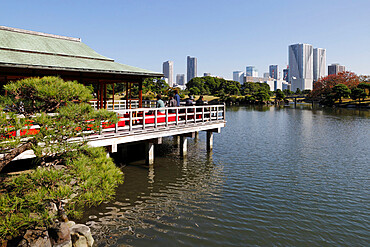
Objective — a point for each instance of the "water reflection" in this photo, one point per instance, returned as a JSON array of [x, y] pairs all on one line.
[[277, 176], [177, 191]]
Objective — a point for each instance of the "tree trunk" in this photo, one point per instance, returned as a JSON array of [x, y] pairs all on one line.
[[8, 157]]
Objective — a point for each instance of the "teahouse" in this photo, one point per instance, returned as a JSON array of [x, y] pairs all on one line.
[[26, 53]]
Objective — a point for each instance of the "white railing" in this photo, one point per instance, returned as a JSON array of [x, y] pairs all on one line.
[[121, 104], [156, 118]]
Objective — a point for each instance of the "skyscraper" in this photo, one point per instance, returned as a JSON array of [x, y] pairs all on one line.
[[301, 66], [251, 71], [335, 68], [168, 72], [238, 76], [191, 68], [319, 63], [180, 79], [274, 71], [286, 74]]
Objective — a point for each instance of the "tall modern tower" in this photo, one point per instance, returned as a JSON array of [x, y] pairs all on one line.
[[335, 68], [168, 72], [191, 68], [274, 71], [238, 76], [301, 66], [251, 71], [319, 63]]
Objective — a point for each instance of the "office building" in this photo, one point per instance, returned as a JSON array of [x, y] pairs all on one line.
[[266, 75], [206, 74], [335, 68], [274, 71], [168, 72], [301, 66], [180, 79], [238, 76], [286, 74], [251, 71], [319, 63], [191, 68]]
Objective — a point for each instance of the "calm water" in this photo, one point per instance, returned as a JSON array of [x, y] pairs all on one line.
[[284, 177]]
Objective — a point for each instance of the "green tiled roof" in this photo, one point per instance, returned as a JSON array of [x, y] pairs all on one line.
[[32, 49]]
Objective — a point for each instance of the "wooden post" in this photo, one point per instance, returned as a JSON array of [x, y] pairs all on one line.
[[113, 97], [183, 146], [105, 96], [126, 95], [196, 135], [141, 94], [209, 140], [149, 149]]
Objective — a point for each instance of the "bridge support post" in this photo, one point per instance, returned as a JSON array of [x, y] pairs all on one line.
[[183, 146], [176, 140], [149, 150], [295, 102], [209, 140], [196, 135]]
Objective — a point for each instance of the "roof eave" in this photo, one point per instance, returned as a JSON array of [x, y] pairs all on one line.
[[146, 74]]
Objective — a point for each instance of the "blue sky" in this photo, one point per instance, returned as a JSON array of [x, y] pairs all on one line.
[[224, 35]]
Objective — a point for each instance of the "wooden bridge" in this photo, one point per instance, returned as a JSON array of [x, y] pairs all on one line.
[[150, 125]]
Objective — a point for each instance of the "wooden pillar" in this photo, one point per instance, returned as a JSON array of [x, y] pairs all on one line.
[[183, 146], [105, 96], [209, 140], [196, 135], [295, 102], [140, 94], [149, 150], [126, 95], [101, 95], [113, 97]]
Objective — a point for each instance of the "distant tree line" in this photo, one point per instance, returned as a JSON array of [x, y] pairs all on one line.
[[345, 84]]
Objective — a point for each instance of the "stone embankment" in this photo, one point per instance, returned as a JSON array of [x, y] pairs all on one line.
[[61, 234]]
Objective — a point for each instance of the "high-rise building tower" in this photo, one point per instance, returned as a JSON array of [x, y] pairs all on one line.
[[335, 68], [319, 63], [168, 72], [301, 66], [274, 72], [191, 68], [286, 74], [180, 79], [238, 76], [251, 71]]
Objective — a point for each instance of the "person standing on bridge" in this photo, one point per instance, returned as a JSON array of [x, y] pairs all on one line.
[[177, 97], [159, 103]]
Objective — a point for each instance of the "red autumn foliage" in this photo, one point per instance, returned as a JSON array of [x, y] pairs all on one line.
[[324, 86]]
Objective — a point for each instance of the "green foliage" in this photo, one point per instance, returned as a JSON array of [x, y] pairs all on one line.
[[298, 91], [279, 95], [358, 93], [29, 195], [155, 85], [339, 91], [261, 96], [208, 85], [44, 94], [288, 92]]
